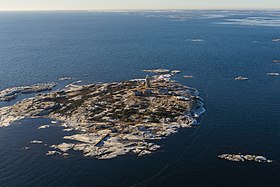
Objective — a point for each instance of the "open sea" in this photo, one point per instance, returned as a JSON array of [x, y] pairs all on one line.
[[213, 46]]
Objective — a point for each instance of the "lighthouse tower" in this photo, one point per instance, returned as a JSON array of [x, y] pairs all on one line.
[[147, 81]]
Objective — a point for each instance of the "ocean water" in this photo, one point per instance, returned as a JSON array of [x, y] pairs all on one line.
[[213, 46]]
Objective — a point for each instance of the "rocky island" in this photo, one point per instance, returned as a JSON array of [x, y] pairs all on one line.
[[242, 158], [241, 78], [273, 74], [112, 119]]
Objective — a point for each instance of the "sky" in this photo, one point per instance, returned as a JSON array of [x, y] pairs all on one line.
[[136, 4]]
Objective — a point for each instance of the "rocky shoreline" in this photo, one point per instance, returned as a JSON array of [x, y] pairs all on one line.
[[12, 93], [112, 119]]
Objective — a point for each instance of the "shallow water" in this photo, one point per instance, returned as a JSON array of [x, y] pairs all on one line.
[[242, 116]]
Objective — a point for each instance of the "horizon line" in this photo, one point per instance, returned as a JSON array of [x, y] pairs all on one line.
[[122, 10]]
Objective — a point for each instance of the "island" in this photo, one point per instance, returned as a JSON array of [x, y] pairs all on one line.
[[241, 78], [112, 119], [273, 74], [276, 61], [246, 157], [276, 40]]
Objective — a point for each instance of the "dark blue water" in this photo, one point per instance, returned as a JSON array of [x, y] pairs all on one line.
[[241, 116]]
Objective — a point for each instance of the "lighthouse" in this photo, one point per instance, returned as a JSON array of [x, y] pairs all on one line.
[[147, 81]]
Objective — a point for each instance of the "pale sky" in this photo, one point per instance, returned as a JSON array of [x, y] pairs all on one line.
[[136, 4]]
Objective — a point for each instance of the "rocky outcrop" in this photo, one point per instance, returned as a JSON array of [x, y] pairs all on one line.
[[51, 153], [188, 76], [65, 78], [64, 147], [276, 61], [158, 71], [12, 93], [276, 40], [241, 78], [195, 40], [44, 127], [36, 142], [273, 74], [242, 158], [175, 72]]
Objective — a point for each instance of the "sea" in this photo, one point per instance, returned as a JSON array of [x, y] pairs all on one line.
[[94, 46]]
